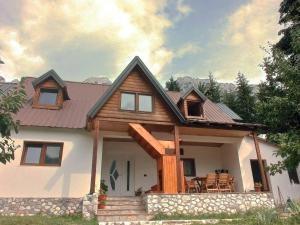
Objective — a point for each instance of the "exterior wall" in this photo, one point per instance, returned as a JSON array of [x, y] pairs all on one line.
[[145, 172], [71, 179], [247, 152], [206, 203]]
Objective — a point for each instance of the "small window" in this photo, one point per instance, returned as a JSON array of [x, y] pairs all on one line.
[[128, 101], [189, 167], [145, 103], [194, 108], [42, 154], [293, 175], [48, 96]]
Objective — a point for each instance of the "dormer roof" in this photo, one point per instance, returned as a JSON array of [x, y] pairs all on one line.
[[193, 89]]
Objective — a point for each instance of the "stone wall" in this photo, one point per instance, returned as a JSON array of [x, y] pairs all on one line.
[[90, 206], [48, 206], [206, 202]]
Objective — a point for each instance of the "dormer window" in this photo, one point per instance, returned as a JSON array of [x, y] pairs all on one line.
[[48, 96], [194, 108]]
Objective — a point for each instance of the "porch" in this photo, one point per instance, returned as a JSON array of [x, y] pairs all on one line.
[[162, 159]]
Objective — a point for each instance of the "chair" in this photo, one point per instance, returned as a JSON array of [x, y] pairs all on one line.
[[232, 183], [190, 185], [223, 184], [211, 183]]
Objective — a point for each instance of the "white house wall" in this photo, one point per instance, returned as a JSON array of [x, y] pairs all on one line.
[[247, 152], [71, 179]]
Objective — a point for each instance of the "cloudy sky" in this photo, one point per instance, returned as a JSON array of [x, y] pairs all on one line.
[[85, 38]]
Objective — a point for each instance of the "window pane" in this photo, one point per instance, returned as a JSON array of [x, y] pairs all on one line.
[[145, 103], [33, 154], [189, 167], [48, 97], [52, 154], [127, 101]]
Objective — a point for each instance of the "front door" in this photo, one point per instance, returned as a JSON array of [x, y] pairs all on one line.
[[119, 176]]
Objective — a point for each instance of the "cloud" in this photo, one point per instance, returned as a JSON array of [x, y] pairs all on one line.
[[48, 33], [249, 28], [187, 49]]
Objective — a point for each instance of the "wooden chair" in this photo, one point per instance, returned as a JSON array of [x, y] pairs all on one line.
[[190, 185], [223, 184], [232, 183], [211, 183]]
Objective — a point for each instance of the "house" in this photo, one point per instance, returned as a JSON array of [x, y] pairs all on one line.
[[134, 135]]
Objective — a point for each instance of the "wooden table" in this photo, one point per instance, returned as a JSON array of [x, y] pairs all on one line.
[[200, 181]]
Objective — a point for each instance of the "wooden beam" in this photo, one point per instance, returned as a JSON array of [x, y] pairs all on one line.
[[94, 157], [260, 163], [177, 152], [168, 144]]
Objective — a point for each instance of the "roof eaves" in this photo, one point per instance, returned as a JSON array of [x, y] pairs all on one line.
[[135, 62], [51, 73], [199, 93]]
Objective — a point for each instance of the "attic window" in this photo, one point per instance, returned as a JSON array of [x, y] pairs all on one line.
[[48, 96], [194, 108]]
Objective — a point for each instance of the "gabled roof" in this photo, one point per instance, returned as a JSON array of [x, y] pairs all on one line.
[[52, 74], [190, 90], [229, 111], [150, 77]]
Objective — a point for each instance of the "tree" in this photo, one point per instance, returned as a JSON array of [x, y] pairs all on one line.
[[229, 98], [279, 96], [172, 85], [245, 100], [211, 89], [10, 104]]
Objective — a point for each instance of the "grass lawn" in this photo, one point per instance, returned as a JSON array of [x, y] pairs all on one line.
[[45, 220]]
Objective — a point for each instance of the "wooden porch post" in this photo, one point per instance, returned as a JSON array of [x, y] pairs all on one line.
[[260, 163], [94, 159], [177, 151]]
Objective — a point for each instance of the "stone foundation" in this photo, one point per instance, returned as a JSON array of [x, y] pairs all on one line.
[[90, 206], [206, 202], [47, 206]]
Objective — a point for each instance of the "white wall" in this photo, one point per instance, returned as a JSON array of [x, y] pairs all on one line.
[[247, 152], [71, 179]]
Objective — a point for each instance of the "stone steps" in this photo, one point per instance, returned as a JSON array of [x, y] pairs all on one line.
[[120, 209]]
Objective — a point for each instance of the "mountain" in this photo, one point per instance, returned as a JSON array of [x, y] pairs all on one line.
[[97, 80], [187, 81]]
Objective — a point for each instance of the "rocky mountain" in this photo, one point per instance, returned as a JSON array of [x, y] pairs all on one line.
[[187, 81], [97, 80]]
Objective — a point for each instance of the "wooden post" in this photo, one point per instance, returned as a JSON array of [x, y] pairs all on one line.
[[260, 163], [177, 152], [94, 159]]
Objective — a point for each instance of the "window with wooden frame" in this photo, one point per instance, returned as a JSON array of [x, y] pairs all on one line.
[[136, 102], [42, 154], [189, 167], [48, 96], [194, 108]]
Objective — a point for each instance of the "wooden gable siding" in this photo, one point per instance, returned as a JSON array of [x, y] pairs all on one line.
[[136, 83], [193, 97]]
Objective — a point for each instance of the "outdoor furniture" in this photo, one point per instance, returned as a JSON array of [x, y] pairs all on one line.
[[223, 183], [190, 186], [231, 182], [201, 183], [211, 184]]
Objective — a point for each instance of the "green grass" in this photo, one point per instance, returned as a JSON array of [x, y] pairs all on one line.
[[45, 220]]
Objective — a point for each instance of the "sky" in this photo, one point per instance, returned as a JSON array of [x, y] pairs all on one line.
[[90, 38]]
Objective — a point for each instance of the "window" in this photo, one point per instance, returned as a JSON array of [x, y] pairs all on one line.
[[145, 103], [128, 101], [189, 167], [293, 175], [194, 108], [42, 154], [256, 171], [48, 96]]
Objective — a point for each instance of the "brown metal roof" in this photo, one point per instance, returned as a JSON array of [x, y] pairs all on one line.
[[83, 97]]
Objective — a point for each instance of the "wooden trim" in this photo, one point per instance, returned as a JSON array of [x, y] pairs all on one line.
[[260, 163], [177, 152], [134, 121], [43, 153], [94, 156]]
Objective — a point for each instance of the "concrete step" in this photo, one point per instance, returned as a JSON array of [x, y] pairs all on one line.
[[124, 206], [119, 218], [124, 198], [121, 203], [115, 212]]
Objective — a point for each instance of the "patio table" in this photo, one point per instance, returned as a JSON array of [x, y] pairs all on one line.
[[200, 181]]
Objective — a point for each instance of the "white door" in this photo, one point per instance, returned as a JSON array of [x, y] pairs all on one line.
[[120, 176]]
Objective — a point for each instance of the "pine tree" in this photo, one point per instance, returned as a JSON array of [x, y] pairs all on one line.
[[279, 96], [172, 85], [229, 99], [245, 100], [211, 89]]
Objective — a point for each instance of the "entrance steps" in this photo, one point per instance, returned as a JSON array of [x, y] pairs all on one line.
[[120, 209]]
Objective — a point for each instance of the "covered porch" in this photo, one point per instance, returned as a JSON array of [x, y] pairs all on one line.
[[129, 165]]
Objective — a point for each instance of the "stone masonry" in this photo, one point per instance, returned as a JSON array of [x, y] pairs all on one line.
[[47, 206], [206, 203], [90, 206]]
